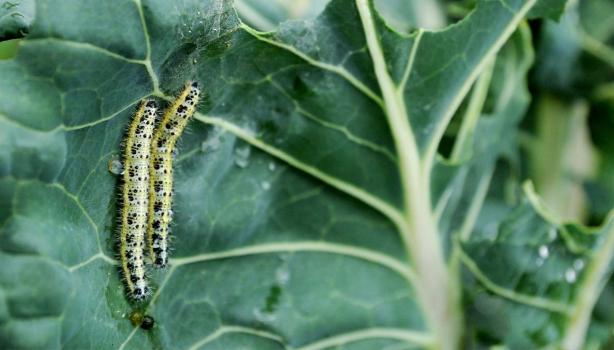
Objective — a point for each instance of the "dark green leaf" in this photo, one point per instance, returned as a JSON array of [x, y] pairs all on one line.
[[304, 216]]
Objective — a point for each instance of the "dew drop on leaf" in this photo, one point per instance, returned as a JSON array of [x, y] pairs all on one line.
[[242, 156], [264, 317], [265, 185], [570, 275], [210, 145], [282, 275], [552, 234], [272, 166], [115, 166], [543, 252], [578, 264], [539, 262]]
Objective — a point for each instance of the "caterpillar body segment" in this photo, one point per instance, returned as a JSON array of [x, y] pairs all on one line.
[[135, 198], [168, 131]]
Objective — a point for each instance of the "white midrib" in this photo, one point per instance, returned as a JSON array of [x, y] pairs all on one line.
[[418, 229]]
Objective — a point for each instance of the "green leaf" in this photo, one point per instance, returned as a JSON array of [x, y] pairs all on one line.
[[8, 49], [575, 56], [575, 64], [552, 9], [267, 15], [402, 15], [487, 133], [305, 192], [543, 275]]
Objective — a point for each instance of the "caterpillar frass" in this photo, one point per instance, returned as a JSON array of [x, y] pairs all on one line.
[[165, 137], [137, 149]]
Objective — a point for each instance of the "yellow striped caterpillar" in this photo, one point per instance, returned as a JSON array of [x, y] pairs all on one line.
[[135, 199], [165, 137]]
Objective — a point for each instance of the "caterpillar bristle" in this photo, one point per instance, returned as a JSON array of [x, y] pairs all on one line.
[[134, 186], [164, 143]]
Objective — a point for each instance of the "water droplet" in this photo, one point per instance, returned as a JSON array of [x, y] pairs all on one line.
[[263, 317], [539, 262], [194, 61], [552, 234], [115, 166], [272, 166], [578, 264], [284, 257], [251, 128], [543, 252], [242, 156], [210, 145], [282, 275], [570, 275], [265, 185]]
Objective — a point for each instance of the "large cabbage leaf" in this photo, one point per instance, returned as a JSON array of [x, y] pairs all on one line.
[[313, 209]]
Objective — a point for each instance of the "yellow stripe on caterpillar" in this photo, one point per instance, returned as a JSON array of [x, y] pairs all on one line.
[[168, 131], [136, 154]]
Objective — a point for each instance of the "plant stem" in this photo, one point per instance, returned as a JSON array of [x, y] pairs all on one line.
[[464, 141], [437, 293]]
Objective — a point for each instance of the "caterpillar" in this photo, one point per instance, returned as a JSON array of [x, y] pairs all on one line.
[[165, 137], [137, 148]]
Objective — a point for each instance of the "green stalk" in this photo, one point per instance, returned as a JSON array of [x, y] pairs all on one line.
[[436, 291]]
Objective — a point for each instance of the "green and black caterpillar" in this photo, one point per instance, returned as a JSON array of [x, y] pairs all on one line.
[[135, 198], [147, 189], [169, 130]]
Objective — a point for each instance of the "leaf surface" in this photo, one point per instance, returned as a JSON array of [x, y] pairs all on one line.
[[291, 196]]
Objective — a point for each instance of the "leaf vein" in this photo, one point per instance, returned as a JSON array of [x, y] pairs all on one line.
[[307, 246], [542, 303], [341, 71], [411, 337], [392, 213], [83, 45], [410, 60], [225, 329], [339, 128]]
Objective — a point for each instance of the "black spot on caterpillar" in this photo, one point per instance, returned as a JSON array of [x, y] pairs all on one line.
[[165, 137], [135, 197]]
